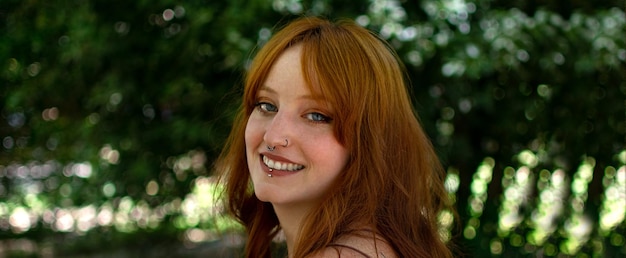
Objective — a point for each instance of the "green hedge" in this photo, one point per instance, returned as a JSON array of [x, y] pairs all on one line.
[[123, 106]]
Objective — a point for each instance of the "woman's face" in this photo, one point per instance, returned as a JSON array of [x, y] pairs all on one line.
[[307, 158]]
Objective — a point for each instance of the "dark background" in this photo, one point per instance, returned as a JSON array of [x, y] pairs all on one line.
[[112, 113]]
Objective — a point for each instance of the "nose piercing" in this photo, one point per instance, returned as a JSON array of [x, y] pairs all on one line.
[[286, 142], [270, 148]]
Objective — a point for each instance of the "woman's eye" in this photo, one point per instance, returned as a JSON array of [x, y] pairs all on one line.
[[317, 117], [266, 107]]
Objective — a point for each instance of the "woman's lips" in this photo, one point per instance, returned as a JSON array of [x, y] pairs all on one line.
[[278, 166], [281, 165]]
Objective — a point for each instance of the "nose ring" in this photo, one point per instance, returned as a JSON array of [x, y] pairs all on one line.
[[274, 147]]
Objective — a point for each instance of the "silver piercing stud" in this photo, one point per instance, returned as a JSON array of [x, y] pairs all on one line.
[[269, 175], [286, 142], [271, 170], [270, 148]]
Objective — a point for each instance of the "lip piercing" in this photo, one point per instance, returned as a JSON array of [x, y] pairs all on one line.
[[269, 175], [270, 148], [286, 142]]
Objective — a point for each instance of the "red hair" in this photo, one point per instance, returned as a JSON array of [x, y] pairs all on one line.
[[393, 182]]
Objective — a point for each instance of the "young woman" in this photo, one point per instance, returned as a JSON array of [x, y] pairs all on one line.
[[327, 149]]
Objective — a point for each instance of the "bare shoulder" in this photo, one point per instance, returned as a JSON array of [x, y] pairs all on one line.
[[356, 246]]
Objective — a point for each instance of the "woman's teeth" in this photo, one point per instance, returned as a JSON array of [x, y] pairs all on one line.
[[277, 165]]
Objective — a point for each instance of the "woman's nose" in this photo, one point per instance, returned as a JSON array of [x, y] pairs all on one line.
[[279, 131]]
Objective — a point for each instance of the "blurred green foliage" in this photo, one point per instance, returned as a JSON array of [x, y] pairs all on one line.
[[106, 101]]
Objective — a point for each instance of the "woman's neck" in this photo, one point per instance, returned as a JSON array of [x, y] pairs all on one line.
[[291, 218]]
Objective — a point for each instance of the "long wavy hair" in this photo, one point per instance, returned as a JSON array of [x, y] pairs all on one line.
[[393, 182]]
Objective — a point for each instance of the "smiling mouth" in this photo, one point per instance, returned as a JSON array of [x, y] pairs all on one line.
[[277, 165]]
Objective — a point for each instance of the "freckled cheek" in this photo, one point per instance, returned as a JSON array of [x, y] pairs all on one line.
[[333, 154], [254, 133], [342, 159]]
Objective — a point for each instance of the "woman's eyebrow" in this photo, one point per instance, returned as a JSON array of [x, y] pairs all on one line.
[[269, 90]]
